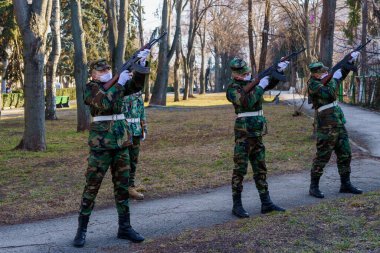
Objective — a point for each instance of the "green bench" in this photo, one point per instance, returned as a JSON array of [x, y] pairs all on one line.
[[62, 101]]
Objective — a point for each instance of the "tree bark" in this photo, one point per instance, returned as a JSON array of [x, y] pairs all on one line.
[[250, 37], [51, 66], [177, 64], [80, 65], [364, 58], [202, 38], [327, 32], [264, 42], [33, 21], [4, 72], [165, 54]]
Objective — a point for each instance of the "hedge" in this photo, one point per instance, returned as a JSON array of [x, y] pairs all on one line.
[[12, 100]]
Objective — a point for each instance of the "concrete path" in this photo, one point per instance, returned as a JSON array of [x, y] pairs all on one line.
[[363, 125], [172, 215]]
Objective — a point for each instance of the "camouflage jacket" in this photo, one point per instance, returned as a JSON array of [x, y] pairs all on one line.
[[246, 102], [134, 109], [321, 95], [105, 135]]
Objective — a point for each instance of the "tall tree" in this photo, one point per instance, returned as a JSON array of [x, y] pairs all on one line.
[[33, 20], [117, 15], [250, 36], [51, 66], [327, 32], [80, 65], [202, 39], [265, 36], [165, 54]]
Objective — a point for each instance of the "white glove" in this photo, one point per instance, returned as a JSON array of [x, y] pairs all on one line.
[[338, 74], [124, 77], [324, 75], [354, 56], [143, 55], [144, 136], [264, 82], [282, 66]]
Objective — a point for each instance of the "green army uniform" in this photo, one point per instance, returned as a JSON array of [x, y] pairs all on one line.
[[135, 114], [331, 132], [249, 128], [109, 139]]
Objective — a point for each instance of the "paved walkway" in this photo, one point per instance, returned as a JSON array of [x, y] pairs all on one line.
[[172, 215], [363, 125]]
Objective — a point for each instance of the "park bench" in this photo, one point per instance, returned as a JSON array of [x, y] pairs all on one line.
[[62, 101]]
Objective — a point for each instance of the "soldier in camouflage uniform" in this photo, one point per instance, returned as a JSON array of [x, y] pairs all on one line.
[[109, 138], [331, 132], [135, 115], [249, 127]]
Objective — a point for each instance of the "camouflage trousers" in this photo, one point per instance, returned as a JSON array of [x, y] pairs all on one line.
[[98, 164], [329, 140], [252, 149], [134, 151]]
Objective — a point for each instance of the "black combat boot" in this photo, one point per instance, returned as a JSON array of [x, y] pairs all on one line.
[[237, 208], [80, 237], [314, 187], [267, 205], [346, 186], [126, 231]]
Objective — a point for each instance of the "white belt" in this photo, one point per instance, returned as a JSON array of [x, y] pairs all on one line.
[[251, 114], [109, 117], [133, 120], [335, 103]]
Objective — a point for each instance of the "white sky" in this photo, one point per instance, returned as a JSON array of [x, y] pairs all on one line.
[[150, 20]]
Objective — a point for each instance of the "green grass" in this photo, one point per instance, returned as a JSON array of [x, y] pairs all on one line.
[[187, 149], [342, 225]]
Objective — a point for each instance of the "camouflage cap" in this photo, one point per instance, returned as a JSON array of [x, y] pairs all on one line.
[[318, 67], [100, 64], [239, 66]]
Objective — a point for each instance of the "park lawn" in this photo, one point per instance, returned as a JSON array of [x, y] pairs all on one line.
[[342, 225], [187, 149]]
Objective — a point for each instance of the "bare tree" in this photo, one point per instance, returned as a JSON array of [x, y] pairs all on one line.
[[80, 65], [327, 32], [265, 36], [33, 20], [117, 16], [51, 66], [165, 54], [250, 36]]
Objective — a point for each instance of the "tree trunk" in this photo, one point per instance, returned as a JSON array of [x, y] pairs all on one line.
[[33, 21], [161, 84], [364, 60], [165, 54], [250, 37], [51, 67], [327, 32], [176, 69], [307, 31], [80, 65], [264, 42], [112, 31], [122, 28], [191, 74], [202, 38], [4, 72]]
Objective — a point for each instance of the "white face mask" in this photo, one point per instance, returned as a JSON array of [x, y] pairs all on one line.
[[248, 77], [324, 75], [106, 77]]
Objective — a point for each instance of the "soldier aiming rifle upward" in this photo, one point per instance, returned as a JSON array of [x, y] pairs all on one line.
[[331, 132]]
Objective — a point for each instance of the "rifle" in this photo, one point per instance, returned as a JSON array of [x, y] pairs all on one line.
[[344, 63], [272, 70], [133, 59]]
